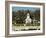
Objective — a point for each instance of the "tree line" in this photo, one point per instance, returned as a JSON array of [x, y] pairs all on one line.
[[20, 15]]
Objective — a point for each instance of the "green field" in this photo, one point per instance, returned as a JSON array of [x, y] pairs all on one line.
[[22, 27]]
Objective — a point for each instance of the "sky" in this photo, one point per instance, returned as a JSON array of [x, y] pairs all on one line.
[[24, 8]]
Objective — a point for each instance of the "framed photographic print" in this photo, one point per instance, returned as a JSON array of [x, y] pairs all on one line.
[[24, 18]]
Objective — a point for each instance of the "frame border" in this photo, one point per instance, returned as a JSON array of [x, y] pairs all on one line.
[[7, 19]]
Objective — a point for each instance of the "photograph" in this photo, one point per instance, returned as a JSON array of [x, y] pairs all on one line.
[[25, 18]]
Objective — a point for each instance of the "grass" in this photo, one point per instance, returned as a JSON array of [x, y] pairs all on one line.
[[28, 24], [22, 27]]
